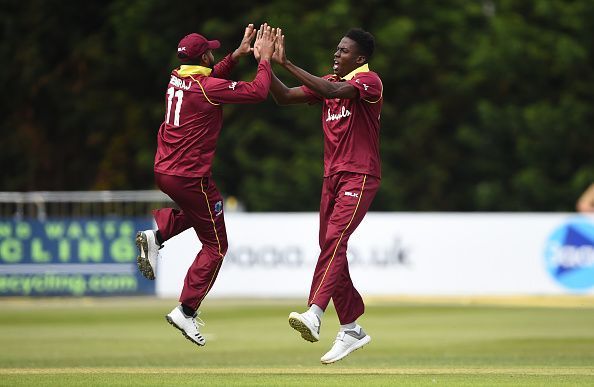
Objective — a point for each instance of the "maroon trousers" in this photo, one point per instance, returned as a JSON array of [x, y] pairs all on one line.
[[346, 198], [201, 207]]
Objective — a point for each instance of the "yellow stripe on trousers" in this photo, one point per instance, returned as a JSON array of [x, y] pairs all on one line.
[[339, 240], [214, 227]]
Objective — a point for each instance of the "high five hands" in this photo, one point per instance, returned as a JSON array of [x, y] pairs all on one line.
[[279, 55], [278, 50], [269, 44]]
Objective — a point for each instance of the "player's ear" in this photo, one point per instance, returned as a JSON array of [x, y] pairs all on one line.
[[361, 60], [204, 59]]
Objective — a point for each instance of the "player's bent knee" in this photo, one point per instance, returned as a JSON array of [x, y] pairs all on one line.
[[224, 248], [218, 249]]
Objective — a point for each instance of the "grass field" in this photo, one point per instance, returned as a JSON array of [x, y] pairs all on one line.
[[420, 342]]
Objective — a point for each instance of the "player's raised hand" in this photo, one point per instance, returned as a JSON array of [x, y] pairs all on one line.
[[245, 45], [279, 55], [257, 42], [266, 42]]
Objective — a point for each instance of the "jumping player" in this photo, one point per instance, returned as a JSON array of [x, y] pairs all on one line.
[[186, 144], [351, 101]]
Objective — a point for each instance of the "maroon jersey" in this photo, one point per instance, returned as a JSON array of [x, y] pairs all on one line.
[[351, 126], [194, 114]]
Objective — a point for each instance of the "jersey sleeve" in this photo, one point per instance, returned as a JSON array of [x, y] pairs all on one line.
[[369, 85], [224, 67], [312, 96], [223, 91]]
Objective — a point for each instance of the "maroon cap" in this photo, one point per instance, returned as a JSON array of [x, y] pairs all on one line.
[[193, 45]]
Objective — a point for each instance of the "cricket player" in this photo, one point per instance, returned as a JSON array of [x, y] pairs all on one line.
[[186, 143], [351, 99]]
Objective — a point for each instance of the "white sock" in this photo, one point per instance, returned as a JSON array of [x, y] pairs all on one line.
[[350, 327], [316, 310]]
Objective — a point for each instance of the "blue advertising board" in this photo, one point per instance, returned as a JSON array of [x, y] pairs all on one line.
[[71, 257], [569, 254]]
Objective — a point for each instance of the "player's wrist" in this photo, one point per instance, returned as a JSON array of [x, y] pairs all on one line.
[[235, 55], [266, 55]]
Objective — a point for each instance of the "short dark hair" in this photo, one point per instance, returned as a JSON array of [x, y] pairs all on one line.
[[364, 40]]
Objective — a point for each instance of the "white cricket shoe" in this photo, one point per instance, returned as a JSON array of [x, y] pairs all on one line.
[[308, 324], [345, 343], [187, 325], [148, 253]]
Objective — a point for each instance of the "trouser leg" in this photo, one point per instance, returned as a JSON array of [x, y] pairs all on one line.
[[353, 194], [202, 207]]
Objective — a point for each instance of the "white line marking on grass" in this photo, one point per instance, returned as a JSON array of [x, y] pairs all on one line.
[[326, 370], [560, 301]]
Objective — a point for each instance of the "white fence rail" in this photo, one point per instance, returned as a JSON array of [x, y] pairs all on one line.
[[41, 204]]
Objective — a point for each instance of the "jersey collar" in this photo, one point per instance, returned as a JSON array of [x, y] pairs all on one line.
[[187, 70], [362, 69]]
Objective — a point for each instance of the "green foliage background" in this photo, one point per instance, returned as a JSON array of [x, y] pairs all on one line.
[[488, 103]]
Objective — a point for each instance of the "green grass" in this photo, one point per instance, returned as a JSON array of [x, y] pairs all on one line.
[[62, 342]]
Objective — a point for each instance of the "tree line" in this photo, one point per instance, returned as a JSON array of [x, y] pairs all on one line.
[[488, 104]]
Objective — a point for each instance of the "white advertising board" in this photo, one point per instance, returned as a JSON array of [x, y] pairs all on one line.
[[274, 255]]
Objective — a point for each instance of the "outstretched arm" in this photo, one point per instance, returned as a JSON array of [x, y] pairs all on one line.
[[219, 91], [284, 95], [321, 86]]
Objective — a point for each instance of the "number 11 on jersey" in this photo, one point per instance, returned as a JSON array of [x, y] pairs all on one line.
[[179, 94]]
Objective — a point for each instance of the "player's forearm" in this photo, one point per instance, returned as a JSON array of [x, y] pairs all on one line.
[[262, 81], [321, 86], [235, 55], [224, 67], [278, 90]]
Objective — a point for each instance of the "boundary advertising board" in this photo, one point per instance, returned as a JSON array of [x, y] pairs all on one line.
[[71, 257], [273, 255]]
